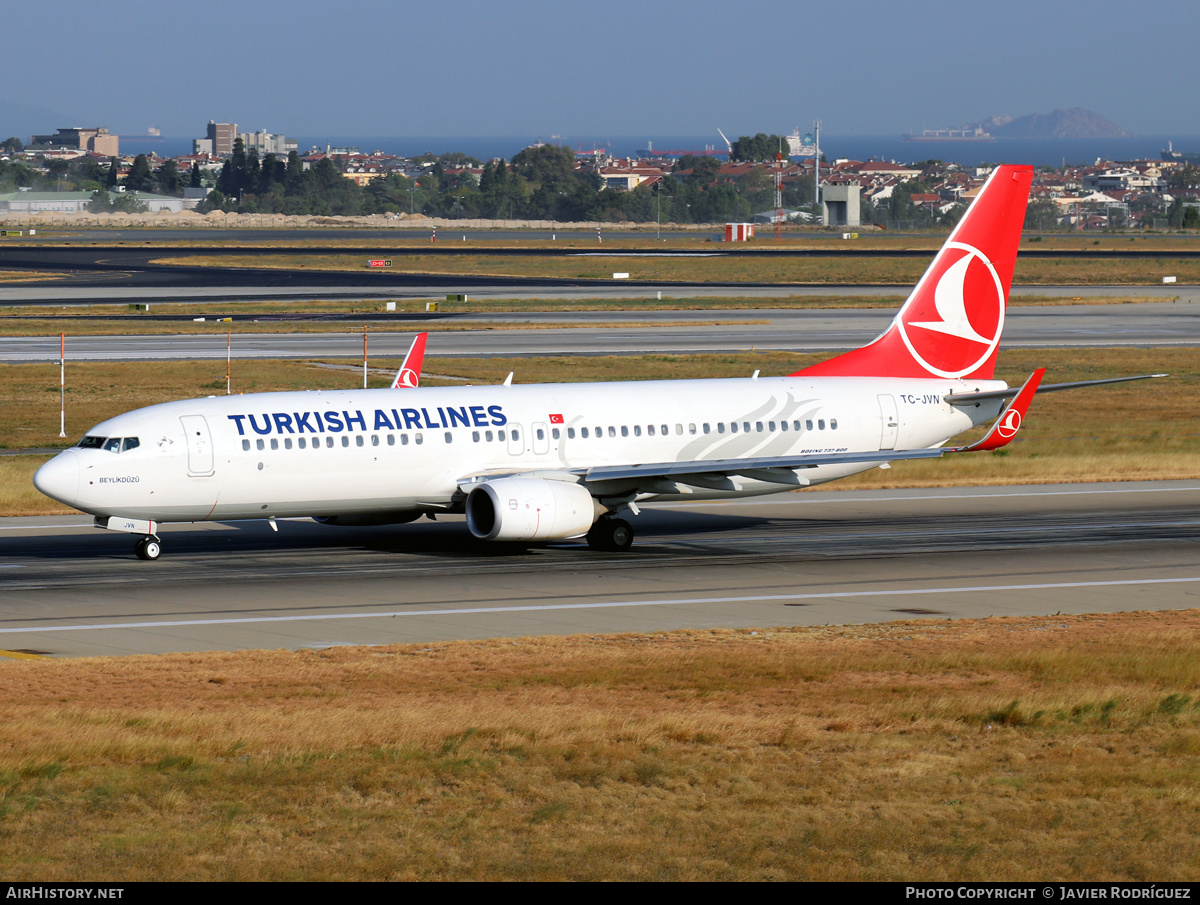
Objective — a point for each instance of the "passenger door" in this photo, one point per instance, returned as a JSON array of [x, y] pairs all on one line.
[[891, 421], [199, 445]]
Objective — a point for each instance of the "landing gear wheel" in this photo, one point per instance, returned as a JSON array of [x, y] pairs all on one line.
[[148, 548], [614, 535]]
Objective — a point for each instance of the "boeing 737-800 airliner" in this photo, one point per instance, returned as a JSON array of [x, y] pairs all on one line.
[[555, 461]]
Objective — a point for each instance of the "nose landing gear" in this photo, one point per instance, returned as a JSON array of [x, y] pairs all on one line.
[[148, 548]]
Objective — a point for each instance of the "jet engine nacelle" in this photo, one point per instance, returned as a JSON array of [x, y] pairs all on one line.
[[529, 509]]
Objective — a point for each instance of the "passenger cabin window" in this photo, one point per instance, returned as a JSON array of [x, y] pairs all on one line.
[[245, 446], [258, 444], [820, 424], [571, 433], [302, 443], [391, 439], [833, 424], [449, 437], [345, 441], [328, 443], [287, 442], [554, 433]]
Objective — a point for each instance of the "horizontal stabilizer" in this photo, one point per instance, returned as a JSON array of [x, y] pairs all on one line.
[[972, 398]]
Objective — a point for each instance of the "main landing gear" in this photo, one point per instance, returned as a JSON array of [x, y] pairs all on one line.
[[613, 535], [148, 548]]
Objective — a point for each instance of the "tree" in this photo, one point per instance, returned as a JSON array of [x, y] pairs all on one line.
[[760, 147], [168, 179], [547, 166], [195, 180], [140, 179], [232, 180], [114, 170], [1042, 214], [12, 145], [704, 167]]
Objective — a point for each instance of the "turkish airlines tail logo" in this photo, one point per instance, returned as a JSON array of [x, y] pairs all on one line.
[[950, 326], [950, 300]]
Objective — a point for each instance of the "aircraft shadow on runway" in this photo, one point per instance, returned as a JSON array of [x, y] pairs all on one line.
[[447, 538]]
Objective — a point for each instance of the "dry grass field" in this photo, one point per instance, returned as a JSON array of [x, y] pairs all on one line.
[[1145, 430], [1036, 749], [596, 265]]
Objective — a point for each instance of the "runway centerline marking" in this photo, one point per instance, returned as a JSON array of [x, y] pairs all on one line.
[[614, 604]]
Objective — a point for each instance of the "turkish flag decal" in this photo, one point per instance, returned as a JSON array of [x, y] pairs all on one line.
[[556, 419]]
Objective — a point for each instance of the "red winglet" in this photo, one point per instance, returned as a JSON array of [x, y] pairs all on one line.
[[409, 374], [1010, 419]]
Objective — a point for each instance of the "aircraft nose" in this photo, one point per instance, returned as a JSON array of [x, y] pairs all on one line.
[[59, 478]]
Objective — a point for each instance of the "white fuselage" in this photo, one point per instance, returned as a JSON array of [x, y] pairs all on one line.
[[374, 452]]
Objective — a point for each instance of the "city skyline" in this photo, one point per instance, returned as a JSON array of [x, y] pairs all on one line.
[[624, 68]]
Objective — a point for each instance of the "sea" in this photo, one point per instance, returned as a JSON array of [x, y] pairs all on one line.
[[1039, 152]]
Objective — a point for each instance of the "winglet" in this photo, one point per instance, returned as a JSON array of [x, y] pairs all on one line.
[[1010, 419], [409, 374]]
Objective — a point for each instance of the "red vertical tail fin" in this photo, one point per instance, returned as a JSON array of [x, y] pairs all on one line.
[[409, 374], [950, 325]]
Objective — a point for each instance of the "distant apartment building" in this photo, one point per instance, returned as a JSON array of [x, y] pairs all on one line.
[[266, 143], [218, 141], [98, 140], [1122, 178]]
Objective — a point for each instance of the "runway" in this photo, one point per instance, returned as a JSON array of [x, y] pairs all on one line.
[[809, 558], [1147, 324]]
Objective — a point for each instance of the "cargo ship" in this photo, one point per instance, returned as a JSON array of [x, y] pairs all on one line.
[[976, 134]]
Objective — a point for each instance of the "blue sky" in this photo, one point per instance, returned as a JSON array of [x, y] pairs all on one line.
[[529, 67]]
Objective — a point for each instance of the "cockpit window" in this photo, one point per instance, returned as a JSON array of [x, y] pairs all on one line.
[[111, 444]]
